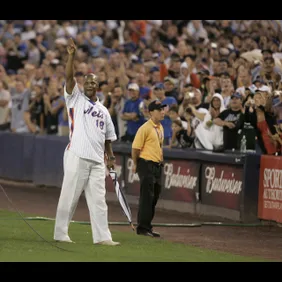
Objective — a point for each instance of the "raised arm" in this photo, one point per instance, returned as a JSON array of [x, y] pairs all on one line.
[[70, 82]]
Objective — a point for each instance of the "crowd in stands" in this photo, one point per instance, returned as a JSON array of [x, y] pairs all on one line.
[[220, 79]]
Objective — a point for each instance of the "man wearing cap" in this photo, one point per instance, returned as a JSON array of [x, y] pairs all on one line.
[[147, 155], [159, 92], [231, 120], [131, 113], [169, 85]]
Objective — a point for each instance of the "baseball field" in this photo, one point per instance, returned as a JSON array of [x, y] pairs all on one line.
[[20, 243], [31, 240]]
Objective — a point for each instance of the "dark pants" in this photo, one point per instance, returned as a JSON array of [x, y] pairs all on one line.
[[150, 188]]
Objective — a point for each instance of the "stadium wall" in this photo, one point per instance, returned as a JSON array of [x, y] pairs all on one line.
[[195, 182]]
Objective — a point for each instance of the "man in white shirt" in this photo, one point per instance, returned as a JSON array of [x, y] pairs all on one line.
[[5, 98], [91, 134]]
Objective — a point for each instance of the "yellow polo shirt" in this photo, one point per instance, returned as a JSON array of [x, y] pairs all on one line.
[[149, 139]]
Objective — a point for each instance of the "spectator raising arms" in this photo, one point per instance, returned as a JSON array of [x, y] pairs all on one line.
[[212, 67]]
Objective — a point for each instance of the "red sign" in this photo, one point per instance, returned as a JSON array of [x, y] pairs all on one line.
[[221, 185], [180, 180], [119, 169], [270, 188]]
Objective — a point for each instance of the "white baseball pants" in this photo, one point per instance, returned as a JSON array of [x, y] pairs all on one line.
[[88, 176]]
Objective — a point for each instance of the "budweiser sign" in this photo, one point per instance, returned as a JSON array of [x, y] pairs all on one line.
[[181, 181], [225, 184], [131, 177], [222, 185], [132, 185]]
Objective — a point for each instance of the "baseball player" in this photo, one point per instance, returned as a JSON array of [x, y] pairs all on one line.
[[91, 134]]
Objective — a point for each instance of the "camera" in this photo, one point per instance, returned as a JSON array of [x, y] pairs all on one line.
[[188, 110], [189, 95], [277, 93], [214, 45]]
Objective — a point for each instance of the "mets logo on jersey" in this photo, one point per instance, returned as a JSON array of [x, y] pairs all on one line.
[[96, 114], [99, 115]]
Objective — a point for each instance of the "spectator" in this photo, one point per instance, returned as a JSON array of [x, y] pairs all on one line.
[[181, 137], [116, 109], [5, 98], [35, 113], [174, 115], [198, 118], [170, 88], [19, 104], [194, 59], [227, 88], [159, 92], [264, 124], [131, 113], [54, 106], [231, 120], [33, 57], [216, 107]]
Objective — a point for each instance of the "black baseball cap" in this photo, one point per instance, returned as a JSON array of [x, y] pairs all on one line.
[[266, 51], [237, 95], [155, 105]]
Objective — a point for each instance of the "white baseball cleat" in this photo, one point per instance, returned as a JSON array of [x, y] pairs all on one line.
[[108, 243], [65, 241]]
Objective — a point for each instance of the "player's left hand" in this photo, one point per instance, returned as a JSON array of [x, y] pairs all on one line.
[[111, 164]]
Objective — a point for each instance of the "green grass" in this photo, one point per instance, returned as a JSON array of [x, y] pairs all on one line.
[[19, 243]]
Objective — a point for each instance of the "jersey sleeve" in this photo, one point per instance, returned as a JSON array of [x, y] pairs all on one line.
[[139, 140], [110, 129], [71, 99]]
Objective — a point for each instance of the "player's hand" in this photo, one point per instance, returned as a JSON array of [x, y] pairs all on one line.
[[111, 164], [134, 169], [71, 48]]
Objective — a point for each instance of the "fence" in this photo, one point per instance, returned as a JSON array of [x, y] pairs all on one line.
[[198, 182]]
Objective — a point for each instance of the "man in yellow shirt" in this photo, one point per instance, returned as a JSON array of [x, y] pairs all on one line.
[[147, 155]]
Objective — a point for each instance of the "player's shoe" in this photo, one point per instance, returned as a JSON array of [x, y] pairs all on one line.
[[108, 243], [66, 240]]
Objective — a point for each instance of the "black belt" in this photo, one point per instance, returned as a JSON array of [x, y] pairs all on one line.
[[160, 164]]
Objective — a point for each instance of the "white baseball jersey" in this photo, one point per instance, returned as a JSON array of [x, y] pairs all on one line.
[[90, 125]]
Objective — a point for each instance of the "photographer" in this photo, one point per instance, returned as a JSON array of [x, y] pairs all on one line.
[[192, 97], [198, 118], [264, 123], [181, 137]]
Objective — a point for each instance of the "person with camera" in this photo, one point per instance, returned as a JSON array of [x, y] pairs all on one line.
[[181, 137], [198, 117], [263, 122]]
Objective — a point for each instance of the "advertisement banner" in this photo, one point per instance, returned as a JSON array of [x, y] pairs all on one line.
[[119, 169], [132, 185], [221, 185], [180, 180], [270, 188]]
